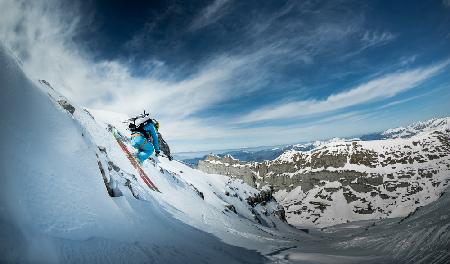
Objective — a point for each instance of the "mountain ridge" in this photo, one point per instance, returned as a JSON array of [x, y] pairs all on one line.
[[367, 179], [272, 152]]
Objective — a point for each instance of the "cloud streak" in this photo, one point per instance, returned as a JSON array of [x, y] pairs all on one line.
[[210, 14], [376, 38], [378, 89]]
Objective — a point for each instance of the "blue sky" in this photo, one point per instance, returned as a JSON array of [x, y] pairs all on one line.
[[228, 74]]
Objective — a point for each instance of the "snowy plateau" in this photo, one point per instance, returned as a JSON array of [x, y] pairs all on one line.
[[70, 195]]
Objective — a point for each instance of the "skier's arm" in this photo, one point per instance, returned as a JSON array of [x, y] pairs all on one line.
[[154, 136]]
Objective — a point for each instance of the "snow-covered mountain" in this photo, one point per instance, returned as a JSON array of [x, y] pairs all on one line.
[[249, 154], [68, 194], [434, 124], [270, 153], [342, 180]]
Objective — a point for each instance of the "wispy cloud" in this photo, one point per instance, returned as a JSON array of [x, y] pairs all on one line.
[[210, 14], [376, 38], [41, 34], [405, 61], [381, 88], [34, 28]]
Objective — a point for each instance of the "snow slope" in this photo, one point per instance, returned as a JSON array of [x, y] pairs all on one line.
[[55, 207], [180, 185], [59, 167]]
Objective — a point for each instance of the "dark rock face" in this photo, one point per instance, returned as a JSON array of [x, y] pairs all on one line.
[[199, 193], [362, 156], [105, 180], [67, 106], [384, 178], [281, 213], [231, 208], [229, 167], [164, 146], [262, 197]]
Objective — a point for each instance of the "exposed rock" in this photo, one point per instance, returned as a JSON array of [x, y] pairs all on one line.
[[46, 83], [105, 180], [89, 113], [199, 193], [102, 149], [67, 106], [362, 156], [281, 213], [163, 145], [226, 167], [130, 187], [262, 197], [231, 208], [112, 166]]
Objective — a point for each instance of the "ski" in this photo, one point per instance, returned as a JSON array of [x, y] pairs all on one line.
[[133, 161]]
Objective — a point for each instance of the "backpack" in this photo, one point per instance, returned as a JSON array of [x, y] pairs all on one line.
[[142, 120]]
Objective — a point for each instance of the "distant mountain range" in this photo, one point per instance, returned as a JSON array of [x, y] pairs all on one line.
[[326, 183], [272, 152]]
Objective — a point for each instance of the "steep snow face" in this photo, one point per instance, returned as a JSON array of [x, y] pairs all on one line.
[[214, 203], [48, 172], [59, 168], [345, 180]]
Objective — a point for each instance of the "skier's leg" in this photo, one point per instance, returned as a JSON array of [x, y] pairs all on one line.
[[137, 141], [142, 156], [145, 152]]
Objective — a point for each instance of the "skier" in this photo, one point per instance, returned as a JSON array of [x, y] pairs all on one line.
[[144, 137]]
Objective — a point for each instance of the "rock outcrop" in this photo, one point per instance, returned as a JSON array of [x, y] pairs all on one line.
[[228, 166], [164, 146]]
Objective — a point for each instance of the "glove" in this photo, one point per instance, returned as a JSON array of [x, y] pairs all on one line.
[[157, 153]]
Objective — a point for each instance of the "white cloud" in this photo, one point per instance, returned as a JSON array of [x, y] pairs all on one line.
[[381, 88], [41, 35], [373, 38]]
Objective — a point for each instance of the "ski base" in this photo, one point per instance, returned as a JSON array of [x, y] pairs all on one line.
[[134, 162]]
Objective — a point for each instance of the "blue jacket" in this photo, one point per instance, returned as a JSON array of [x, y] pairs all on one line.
[[139, 141]]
